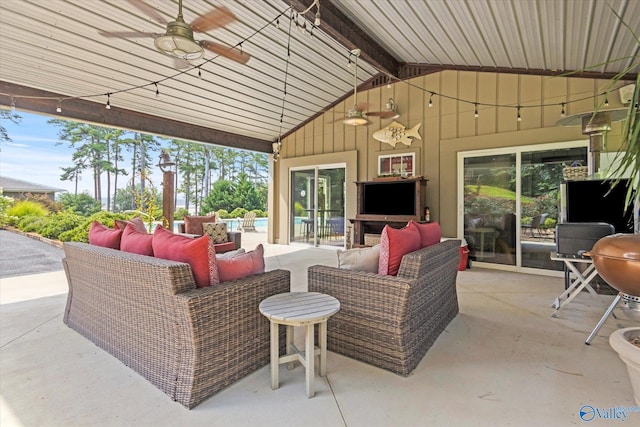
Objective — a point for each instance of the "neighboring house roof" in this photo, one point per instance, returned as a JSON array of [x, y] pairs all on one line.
[[11, 185]]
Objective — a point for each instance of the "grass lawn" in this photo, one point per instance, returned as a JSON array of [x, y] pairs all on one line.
[[497, 192]]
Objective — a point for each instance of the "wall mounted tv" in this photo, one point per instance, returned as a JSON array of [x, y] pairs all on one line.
[[389, 198], [595, 201]]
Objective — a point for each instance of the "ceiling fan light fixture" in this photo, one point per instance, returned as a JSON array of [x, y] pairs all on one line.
[[355, 118], [178, 42]]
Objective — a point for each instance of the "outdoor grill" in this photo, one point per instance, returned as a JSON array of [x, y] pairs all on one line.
[[617, 260]]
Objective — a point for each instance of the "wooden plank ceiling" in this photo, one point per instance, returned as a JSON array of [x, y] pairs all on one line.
[[52, 53]]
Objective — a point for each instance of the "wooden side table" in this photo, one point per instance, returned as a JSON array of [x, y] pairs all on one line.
[[299, 309]]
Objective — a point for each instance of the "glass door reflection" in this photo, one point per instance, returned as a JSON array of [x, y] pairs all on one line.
[[490, 207], [317, 206]]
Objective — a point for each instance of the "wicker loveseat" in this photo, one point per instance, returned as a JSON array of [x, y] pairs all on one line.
[[391, 321], [147, 312]]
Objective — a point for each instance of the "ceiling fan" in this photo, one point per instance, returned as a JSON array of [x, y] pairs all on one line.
[[357, 116], [178, 41]]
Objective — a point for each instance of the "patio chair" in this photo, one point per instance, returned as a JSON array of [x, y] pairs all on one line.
[[248, 222], [542, 229], [533, 225]]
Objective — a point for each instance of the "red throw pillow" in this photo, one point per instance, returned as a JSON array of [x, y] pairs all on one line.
[[137, 223], [101, 235], [241, 265], [394, 244], [136, 242], [193, 224], [198, 253], [430, 233]]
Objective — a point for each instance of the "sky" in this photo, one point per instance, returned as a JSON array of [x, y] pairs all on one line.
[[33, 155]]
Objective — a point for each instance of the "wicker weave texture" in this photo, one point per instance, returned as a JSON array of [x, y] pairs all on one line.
[[148, 313], [388, 321]]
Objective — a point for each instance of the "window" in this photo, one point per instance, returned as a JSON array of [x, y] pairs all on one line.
[[396, 164]]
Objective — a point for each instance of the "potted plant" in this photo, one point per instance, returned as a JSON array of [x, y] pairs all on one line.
[[626, 342]]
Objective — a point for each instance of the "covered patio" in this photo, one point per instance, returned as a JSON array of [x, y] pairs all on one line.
[[502, 361]]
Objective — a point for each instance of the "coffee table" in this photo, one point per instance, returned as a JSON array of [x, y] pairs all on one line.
[[299, 309]]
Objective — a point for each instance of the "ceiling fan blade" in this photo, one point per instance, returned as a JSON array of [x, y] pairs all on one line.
[[214, 19], [231, 53], [148, 10], [127, 34], [382, 114]]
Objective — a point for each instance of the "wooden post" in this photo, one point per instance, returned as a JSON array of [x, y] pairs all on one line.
[[168, 197]]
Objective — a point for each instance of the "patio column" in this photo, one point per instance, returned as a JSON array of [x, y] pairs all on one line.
[[168, 169]]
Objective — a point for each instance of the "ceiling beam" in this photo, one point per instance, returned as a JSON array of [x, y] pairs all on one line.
[[347, 33], [43, 102], [410, 70]]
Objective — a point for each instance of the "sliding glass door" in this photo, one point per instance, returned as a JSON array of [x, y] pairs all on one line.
[[540, 177], [317, 206], [490, 208], [509, 202]]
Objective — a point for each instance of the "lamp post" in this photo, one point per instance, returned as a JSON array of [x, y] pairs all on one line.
[[168, 169]]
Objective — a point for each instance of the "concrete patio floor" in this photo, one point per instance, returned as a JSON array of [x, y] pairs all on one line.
[[502, 361]]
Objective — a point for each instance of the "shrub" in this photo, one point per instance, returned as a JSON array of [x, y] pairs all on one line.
[[223, 214], [5, 203], [81, 204], [25, 208], [59, 223], [299, 210], [180, 213], [259, 213], [49, 204], [81, 232], [238, 213], [31, 223]]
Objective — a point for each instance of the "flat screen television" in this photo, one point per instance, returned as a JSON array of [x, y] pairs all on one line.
[[389, 198], [595, 201]]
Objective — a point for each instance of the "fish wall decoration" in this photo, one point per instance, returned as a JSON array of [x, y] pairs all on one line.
[[397, 133]]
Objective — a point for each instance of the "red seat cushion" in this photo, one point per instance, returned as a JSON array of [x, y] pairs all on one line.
[[430, 233], [241, 265], [224, 247], [198, 253], [394, 244], [135, 241], [101, 235]]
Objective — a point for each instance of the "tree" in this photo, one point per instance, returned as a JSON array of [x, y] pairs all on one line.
[[221, 196], [245, 194], [96, 149], [81, 204], [12, 116]]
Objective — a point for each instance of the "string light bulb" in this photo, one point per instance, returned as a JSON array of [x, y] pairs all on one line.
[[388, 82], [157, 89], [431, 100], [563, 113], [606, 101], [316, 22], [13, 103], [59, 106], [475, 114], [199, 73], [108, 106], [519, 116]]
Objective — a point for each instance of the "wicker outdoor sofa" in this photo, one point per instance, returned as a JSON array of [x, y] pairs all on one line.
[[391, 321], [148, 313]]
